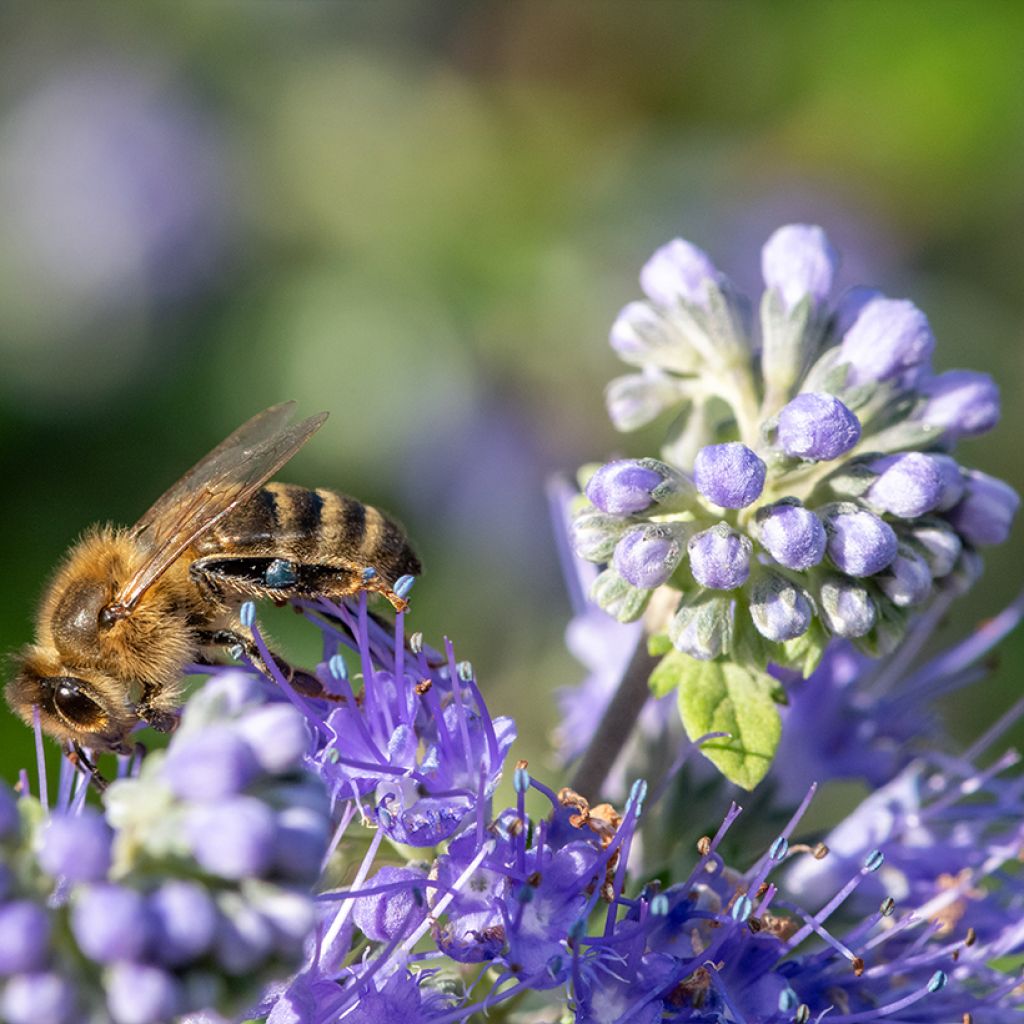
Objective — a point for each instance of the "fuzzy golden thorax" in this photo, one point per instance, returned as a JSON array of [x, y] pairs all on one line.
[[88, 677]]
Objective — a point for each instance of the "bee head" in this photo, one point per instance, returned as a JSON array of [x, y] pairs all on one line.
[[71, 707]]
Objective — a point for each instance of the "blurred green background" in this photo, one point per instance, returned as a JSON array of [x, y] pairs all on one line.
[[424, 218]]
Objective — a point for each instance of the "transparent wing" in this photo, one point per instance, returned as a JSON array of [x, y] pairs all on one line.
[[214, 486]]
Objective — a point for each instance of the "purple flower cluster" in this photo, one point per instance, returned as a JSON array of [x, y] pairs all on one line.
[[828, 497], [193, 890]]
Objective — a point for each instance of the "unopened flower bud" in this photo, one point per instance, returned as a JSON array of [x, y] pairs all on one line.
[[647, 555], [141, 994], [729, 475], [209, 764], [817, 426], [278, 736], [301, 844], [595, 534], [678, 272], [234, 838], [986, 512], [186, 920], [914, 483], [963, 403], [798, 260], [10, 822], [846, 607], [780, 610], [793, 535], [720, 558], [111, 922], [617, 597], [703, 627], [76, 846], [908, 580], [34, 998], [888, 337], [637, 398], [24, 937], [939, 545], [629, 486], [859, 543]]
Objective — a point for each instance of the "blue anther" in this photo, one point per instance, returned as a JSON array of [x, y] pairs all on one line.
[[332, 756], [638, 794], [337, 667], [742, 908], [525, 894], [521, 780], [803, 1014], [465, 670], [403, 585], [368, 574], [874, 860], [777, 852], [888, 907], [416, 643], [555, 966], [247, 614], [280, 573], [938, 980], [577, 929], [660, 905], [788, 999]]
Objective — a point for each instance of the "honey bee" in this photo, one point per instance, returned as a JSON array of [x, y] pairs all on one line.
[[128, 609]]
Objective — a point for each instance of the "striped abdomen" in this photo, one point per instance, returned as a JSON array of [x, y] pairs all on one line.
[[313, 527]]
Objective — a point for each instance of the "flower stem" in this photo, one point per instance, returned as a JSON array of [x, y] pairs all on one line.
[[616, 724]]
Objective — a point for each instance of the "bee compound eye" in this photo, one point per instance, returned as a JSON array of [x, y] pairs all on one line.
[[74, 705]]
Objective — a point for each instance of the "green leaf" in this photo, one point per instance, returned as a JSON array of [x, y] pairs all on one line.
[[720, 696], [669, 672], [658, 644]]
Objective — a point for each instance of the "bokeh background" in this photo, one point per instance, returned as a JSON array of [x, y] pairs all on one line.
[[424, 218]]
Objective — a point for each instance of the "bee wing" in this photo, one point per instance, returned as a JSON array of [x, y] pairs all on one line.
[[214, 486]]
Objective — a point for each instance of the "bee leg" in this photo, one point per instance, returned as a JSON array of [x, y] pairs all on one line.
[[304, 682], [161, 721], [81, 760]]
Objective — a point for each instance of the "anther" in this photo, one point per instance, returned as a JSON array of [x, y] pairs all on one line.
[[465, 670], [778, 850], [742, 908], [337, 667], [972, 937], [820, 851], [802, 1015], [937, 981], [403, 585], [874, 860], [858, 966], [888, 907], [659, 905], [704, 845], [416, 643], [247, 614], [423, 686]]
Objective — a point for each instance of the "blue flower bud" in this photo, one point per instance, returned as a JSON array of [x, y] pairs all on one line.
[[939, 545], [908, 580], [986, 512], [278, 736], [245, 938], [962, 402], [780, 611], [10, 822], [76, 847], [625, 487], [798, 260], [111, 922], [678, 272], [637, 398], [235, 838], [850, 305], [210, 764], [35, 998], [859, 543], [291, 916], [793, 535], [141, 994], [301, 843], [889, 337], [595, 534], [186, 921], [912, 484], [386, 915], [846, 607], [720, 558], [703, 626], [729, 475], [647, 555], [817, 426], [24, 937]]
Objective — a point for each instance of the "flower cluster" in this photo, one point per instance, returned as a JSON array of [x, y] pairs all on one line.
[[193, 891], [807, 487]]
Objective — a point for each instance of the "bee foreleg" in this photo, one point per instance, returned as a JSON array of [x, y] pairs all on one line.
[[81, 760]]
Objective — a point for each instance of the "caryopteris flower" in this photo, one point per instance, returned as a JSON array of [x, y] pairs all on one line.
[[807, 488]]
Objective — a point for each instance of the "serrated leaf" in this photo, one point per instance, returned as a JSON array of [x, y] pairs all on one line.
[[719, 696], [669, 672]]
